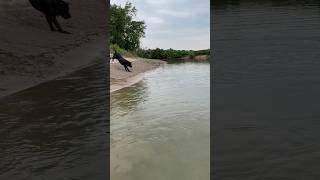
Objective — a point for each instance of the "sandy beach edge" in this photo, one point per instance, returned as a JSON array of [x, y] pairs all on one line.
[[80, 57], [120, 79]]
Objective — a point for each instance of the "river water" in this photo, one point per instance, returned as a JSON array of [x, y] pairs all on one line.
[[160, 126], [57, 130], [266, 89]]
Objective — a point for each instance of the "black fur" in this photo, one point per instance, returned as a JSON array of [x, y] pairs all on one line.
[[122, 61], [52, 9]]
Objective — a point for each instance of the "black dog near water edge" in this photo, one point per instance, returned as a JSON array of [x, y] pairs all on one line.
[[52, 9], [122, 61]]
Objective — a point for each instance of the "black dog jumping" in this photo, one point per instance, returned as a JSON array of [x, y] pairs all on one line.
[[122, 61], [52, 9]]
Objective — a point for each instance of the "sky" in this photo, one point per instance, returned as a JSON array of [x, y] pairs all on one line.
[[176, 24]]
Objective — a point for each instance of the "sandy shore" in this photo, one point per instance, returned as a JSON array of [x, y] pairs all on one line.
[[30, 53], [119, 78]]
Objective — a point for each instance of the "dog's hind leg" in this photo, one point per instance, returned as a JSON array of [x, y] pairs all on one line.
[[55, 22], [125, 68]]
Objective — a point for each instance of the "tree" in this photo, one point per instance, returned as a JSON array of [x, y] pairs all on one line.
[[124, 30]]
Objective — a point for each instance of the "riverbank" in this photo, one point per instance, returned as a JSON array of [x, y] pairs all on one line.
[[119, 78], [196, 58], [31, 54]]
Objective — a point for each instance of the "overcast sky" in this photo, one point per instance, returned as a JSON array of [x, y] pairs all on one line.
[[177, 24]]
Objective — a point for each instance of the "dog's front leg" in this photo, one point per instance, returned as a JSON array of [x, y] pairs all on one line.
[[50, 22]]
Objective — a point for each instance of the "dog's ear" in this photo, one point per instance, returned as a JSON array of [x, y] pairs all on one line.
[[67, 2]]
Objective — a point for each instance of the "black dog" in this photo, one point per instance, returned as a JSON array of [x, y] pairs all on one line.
[[122, 61], [52, 9]]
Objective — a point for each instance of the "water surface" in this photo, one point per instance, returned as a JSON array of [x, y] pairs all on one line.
[[266, 89], [160, 126], [57, 130]]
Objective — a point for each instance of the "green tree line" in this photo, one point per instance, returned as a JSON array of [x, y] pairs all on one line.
[[170, 53]]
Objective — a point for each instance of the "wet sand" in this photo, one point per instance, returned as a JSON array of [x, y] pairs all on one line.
[[31, 54], [119, 78]]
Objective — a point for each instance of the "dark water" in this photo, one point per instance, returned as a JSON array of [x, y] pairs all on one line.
[[57, 130], [160, 126], [266, 90]]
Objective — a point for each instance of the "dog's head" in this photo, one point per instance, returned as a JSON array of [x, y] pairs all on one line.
[[114, 56], [63, 8]]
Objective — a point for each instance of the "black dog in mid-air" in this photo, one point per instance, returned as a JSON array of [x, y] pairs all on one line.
[[122, 61], [52, 9]]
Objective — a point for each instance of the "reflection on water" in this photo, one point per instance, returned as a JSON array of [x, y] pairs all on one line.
[[127, 101], [56, 130], [266, 89], [160, 126]]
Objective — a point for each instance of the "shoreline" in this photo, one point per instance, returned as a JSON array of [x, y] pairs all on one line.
[[67, 63], [120, 79]]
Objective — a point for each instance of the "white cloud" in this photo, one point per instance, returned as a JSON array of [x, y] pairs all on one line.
[[157, 2], [154, 20], [175, 13], [178, 24]]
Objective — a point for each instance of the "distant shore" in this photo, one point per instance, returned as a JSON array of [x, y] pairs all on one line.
[[196, 58], [119, 78]]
